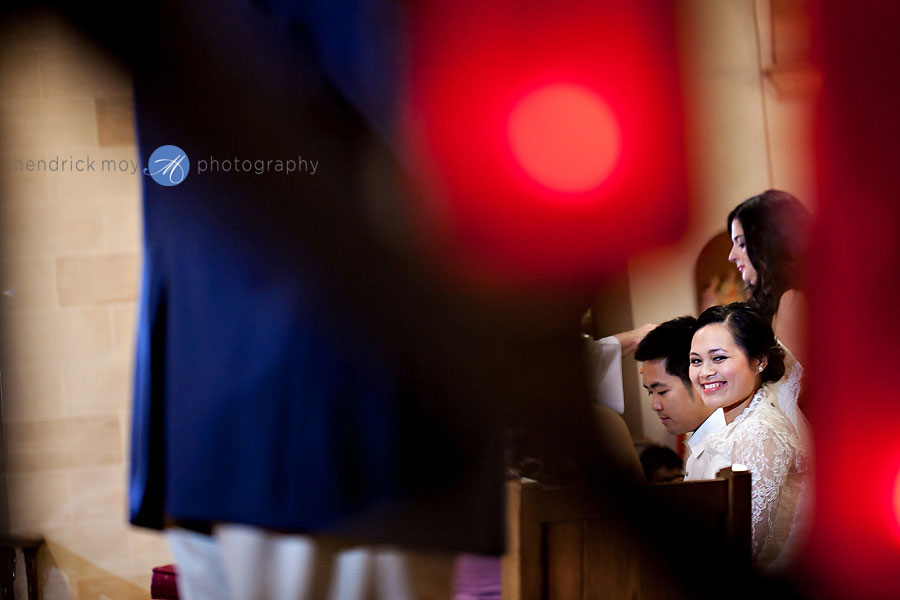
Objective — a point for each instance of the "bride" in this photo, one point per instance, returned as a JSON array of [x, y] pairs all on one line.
[[734, 361]]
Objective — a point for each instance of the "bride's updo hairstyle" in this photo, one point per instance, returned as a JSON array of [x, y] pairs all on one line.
[[776, 229], [751, 332]]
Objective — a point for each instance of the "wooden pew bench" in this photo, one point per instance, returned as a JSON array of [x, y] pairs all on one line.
[[563, 546]]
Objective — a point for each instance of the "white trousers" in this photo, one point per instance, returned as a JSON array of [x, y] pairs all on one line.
[[239, 562]]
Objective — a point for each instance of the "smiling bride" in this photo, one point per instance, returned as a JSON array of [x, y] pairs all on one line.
[[733, 362]]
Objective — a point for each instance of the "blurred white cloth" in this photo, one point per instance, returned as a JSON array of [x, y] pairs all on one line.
[[604, 360], [239, 562]]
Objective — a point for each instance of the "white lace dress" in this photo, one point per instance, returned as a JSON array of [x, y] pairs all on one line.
[[763, 439], [787, 393]]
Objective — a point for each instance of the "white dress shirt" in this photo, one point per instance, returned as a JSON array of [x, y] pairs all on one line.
[[700, 464]]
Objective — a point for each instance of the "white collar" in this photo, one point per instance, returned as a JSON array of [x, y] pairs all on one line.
[[713, 423]]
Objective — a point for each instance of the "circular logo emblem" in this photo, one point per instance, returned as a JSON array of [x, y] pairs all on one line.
[[168, 165]]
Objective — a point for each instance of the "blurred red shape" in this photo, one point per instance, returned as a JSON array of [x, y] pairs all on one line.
[[546, 139]]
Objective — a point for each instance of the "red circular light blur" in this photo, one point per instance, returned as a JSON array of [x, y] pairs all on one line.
[[565, 137]]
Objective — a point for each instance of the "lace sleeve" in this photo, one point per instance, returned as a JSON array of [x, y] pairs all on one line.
[[769, 457]]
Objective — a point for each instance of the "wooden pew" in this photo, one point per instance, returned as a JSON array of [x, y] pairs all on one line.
[[562, 546]]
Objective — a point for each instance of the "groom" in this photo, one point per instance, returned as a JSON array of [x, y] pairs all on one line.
[[664, 373]]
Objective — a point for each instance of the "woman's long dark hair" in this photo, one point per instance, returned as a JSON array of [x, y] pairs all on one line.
[[776, 230]]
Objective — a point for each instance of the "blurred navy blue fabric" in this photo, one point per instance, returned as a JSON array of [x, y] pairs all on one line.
[[273, 384], [301, 365]]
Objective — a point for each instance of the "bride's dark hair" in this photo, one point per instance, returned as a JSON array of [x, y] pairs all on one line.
[[751, 332], [776, 230]]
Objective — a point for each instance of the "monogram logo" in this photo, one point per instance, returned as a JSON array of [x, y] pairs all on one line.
[[168, 165]]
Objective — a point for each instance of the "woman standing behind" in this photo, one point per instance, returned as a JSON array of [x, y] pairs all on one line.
[[769, 233], [734, 360]]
